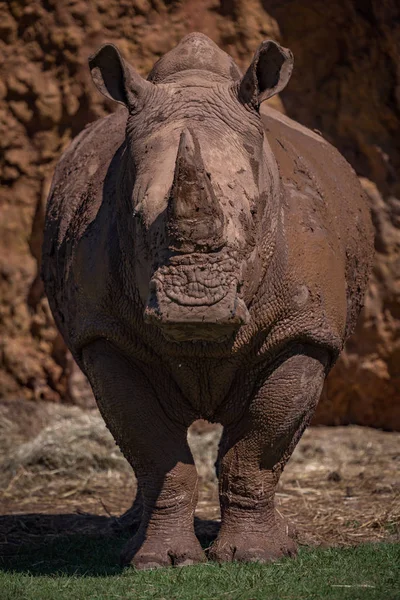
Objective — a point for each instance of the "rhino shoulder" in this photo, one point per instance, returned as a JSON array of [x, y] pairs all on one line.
[[277, 121], [81, 171], [97, 139], [327, 219], [297, 148]]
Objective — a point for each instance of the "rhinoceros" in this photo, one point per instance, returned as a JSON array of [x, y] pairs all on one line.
[[204, 256]]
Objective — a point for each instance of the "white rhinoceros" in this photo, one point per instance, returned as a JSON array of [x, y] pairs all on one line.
[[204, 257]]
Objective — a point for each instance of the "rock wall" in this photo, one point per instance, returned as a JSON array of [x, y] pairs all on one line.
[[346, 84]]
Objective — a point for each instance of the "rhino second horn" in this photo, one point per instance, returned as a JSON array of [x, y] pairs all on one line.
[[195, 217]]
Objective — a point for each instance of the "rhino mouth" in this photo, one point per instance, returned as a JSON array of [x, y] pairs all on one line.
[[194, 286], [189, 300]]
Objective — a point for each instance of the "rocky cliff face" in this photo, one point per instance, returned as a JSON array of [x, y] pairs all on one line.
[[346, 84]]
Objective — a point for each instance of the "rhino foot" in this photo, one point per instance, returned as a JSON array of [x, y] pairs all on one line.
[[254, 546], [156, 552]]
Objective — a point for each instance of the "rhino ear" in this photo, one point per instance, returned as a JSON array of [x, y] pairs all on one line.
[[267, 75], [116, 79]]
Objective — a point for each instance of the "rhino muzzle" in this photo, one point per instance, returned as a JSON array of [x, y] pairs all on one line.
[[196, 298], [181, 318]]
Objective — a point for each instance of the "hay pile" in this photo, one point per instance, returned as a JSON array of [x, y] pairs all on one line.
[[73, 444], [72, 455]]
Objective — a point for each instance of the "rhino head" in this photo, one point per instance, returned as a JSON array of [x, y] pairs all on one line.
[[198, 193]]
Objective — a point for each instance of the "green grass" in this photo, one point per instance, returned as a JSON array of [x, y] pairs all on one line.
[[87, 568]]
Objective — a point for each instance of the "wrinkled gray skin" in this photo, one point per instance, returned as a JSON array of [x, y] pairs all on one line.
[[204, 257]]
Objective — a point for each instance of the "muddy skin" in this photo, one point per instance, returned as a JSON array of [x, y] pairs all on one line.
[[204, 257]]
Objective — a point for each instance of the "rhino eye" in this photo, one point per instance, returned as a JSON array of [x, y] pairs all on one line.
[[137, 215]]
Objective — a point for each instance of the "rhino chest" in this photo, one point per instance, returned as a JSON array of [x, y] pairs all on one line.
[[204, 383]]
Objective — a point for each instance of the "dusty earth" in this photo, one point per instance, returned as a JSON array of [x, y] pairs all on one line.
[[61, 473]]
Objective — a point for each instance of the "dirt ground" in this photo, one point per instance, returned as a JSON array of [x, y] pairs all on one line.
[[61, 473]]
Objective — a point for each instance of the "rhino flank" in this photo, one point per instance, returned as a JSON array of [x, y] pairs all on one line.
[[204, 257]]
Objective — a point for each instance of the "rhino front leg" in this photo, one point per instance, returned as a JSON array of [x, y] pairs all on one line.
[[158, 451], [253, 453]]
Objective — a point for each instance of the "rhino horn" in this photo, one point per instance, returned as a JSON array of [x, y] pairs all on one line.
[[195, 217]]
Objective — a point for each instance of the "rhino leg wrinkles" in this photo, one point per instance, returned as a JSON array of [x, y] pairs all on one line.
[[253, 453], [157, 450]]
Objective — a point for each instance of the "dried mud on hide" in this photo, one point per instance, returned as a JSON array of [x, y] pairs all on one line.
[[61, 473]]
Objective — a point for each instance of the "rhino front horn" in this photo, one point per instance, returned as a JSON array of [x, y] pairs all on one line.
[[195, 218]]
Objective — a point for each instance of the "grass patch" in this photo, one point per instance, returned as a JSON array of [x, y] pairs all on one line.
[[80, 567]]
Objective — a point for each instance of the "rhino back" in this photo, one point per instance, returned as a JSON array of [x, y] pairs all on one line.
[[327, 222]]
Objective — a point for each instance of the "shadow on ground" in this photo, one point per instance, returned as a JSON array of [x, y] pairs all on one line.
[[73, 544]]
